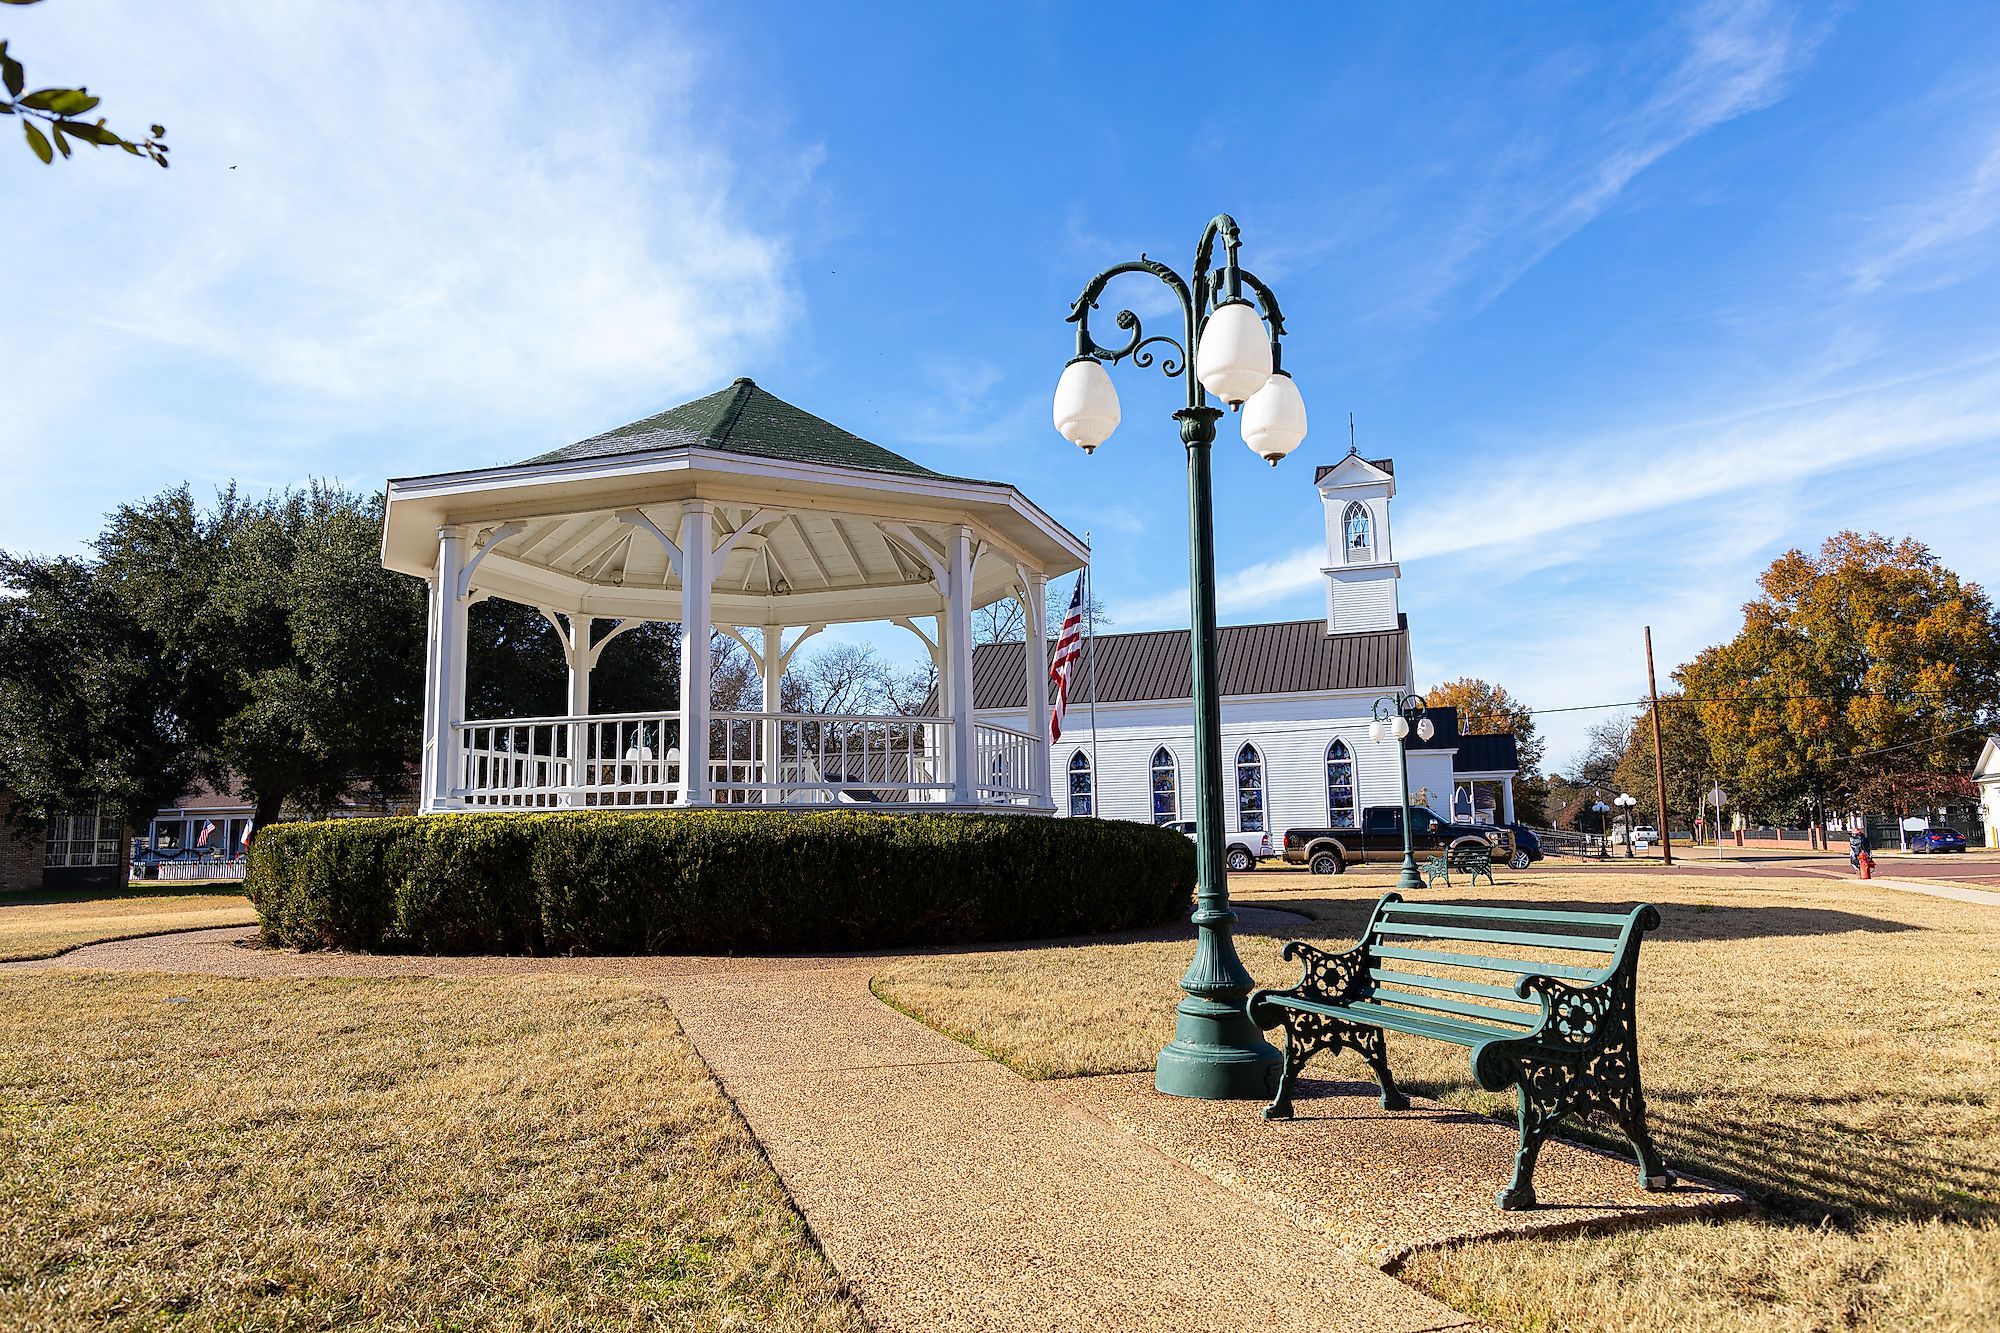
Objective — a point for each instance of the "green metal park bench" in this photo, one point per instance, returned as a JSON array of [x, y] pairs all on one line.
[[1563, 1034], [1473, 861]]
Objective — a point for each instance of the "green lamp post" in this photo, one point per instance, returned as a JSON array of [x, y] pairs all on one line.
[[1232, 347], [1397, 715]]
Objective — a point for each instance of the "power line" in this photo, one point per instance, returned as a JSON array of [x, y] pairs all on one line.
[[1747, 699], [1862, 754]]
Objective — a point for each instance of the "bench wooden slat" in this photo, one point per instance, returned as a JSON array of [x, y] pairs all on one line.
[[1460, 1031], [1457, 1031], [1394, 995], [1452, 984], [1508, 914], [1523, 937], [1487, 963]]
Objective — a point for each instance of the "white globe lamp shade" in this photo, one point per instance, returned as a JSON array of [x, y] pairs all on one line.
[[1425, 729], [1375, 732], [1274, 419], [1086, 406], [1401, 726], [1235, 357]]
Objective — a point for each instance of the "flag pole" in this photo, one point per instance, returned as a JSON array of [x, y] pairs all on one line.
[[1090, 666]]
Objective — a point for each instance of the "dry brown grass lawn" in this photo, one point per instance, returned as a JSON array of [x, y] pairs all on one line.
[[41, 925], [1832, 1048], [517, 1153]]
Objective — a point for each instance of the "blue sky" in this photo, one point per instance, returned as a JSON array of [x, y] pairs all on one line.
[[1636, 297]]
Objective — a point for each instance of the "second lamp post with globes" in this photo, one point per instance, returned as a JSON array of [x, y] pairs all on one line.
[[1398, 715], [1234, 348]]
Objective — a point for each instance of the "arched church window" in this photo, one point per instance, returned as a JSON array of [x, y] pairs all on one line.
[[1082, 788], [1166, 787], [1339, 785], [1249, 790], [1358, 532]]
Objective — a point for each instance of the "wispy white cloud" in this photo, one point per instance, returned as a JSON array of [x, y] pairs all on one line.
[[1545, 505], [1539, 190], [442, 216], [1940, 240], [964, 402]]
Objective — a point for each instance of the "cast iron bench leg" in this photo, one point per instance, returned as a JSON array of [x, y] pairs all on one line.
[[1306, 1035], [1373, 1047], [1629, 1112], [1539, 1112]]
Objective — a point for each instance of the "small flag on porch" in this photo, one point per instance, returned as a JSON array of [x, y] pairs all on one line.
[[248, 824], [207, 832], [1069, 647]]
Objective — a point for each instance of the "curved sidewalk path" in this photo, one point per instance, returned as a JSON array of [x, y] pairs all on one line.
[[953, 1194]]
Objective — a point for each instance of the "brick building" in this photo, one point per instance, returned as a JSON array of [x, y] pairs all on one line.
[[73, 851]]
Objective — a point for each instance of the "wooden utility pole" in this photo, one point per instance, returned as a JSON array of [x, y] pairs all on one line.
[[1659, 755]]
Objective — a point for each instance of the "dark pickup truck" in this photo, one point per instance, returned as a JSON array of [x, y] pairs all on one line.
[[1329, 851]]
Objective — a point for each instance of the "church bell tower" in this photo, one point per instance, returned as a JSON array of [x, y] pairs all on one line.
[[1361, 570]]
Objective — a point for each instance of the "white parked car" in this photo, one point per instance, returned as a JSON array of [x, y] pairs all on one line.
[[1240, 851], [1646, 833]]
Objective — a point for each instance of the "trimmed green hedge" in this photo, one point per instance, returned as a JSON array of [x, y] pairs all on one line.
[[708, 881]]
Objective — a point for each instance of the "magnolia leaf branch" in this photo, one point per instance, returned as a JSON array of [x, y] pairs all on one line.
[[50, 117]]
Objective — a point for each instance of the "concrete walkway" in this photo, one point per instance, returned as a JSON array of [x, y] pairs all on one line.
[[952, 1194]]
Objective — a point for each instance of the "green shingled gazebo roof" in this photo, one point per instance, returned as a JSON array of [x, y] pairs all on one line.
[[741, 419]]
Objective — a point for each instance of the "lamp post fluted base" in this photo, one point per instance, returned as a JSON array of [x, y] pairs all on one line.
[[1218, 1057], [1217, 1053], [1409, 879]]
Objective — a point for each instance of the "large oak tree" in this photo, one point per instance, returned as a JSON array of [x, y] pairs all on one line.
[[1866, 656]]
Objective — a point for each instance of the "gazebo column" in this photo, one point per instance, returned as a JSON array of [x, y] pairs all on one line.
[[444, 675], [1034, 627], [1507, 798], [697, 523], [576, 647], [772, 666], [956, 629]]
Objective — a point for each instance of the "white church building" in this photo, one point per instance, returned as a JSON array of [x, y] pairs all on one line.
[[1297, 700]]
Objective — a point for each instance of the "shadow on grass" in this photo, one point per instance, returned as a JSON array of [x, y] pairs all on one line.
[[1806, 1169], [1345, 918], [179, 888]]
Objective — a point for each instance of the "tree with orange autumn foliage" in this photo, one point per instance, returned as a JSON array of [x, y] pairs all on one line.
[[1865, 658]]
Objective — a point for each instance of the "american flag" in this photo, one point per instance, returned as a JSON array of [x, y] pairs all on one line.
[[207, 831], [1069, 647]]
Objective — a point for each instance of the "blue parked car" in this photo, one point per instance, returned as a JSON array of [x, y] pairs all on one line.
[[1527, 847], [1937, 840]]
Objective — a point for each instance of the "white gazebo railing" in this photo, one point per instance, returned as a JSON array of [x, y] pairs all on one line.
[[628, 759], [634, 760], [859, 758], [1006, 761]]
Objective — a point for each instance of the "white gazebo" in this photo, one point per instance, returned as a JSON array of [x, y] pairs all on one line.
[[739, 514]]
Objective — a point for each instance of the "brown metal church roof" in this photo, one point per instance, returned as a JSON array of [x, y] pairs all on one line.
[[1284, 657]]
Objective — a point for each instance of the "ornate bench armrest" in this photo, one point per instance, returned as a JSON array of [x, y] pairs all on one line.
[[1323, 975], [1578, 1019]]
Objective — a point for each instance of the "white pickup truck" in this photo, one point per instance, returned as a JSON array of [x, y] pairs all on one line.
[[1240, 851]]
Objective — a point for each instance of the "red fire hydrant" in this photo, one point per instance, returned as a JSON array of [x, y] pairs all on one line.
[[1867, 865]]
